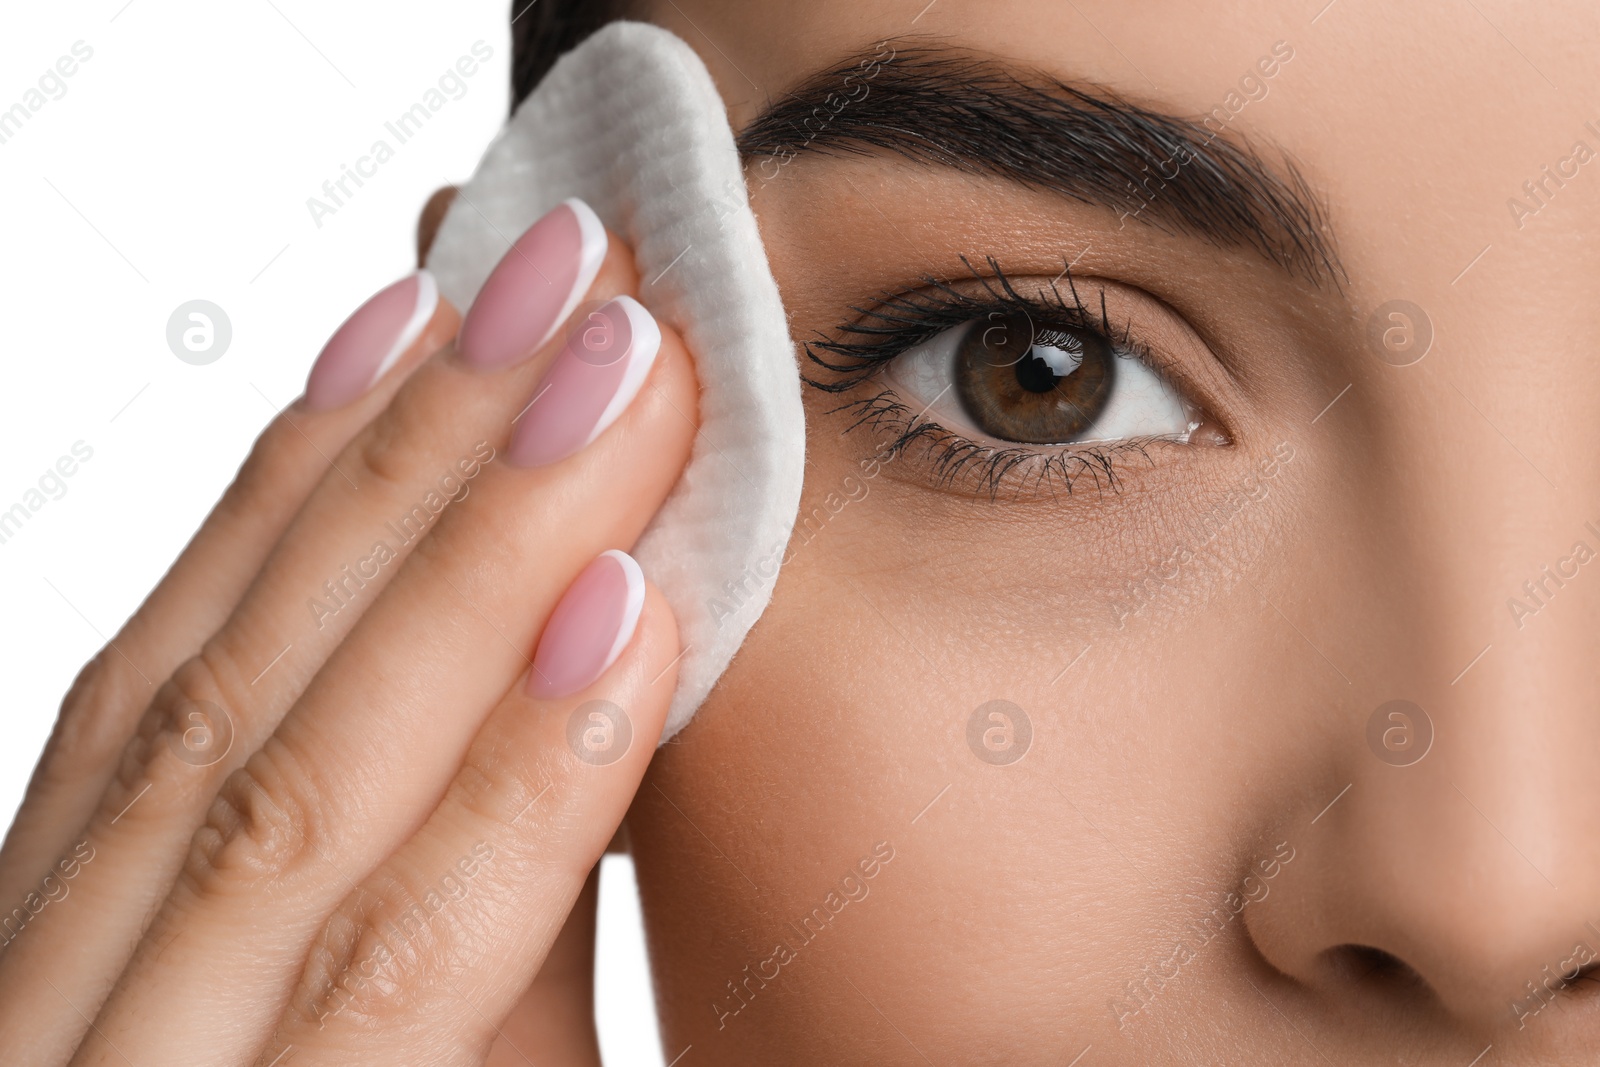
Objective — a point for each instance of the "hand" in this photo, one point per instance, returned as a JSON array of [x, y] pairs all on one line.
[[316, 801]]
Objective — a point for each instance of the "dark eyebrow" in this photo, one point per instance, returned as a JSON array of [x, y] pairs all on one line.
[[954, 109]]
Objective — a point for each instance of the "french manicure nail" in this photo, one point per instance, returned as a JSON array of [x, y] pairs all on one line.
[[371, 341], [589, 628], [592, 381], [534, 287]]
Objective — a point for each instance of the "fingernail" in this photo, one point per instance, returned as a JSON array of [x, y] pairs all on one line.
[[534, 287], [370, 342], [593, 380], [590, 627]]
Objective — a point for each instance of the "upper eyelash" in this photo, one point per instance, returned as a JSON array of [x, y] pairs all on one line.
[[906, 319]]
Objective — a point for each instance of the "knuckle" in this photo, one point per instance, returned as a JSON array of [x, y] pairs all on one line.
[[261, 829], [529, 799], [383, 955], [499, 781], [390, 451], [171, 762], [96, 716], [478, 790]]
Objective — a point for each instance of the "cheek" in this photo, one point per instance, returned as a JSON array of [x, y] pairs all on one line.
[[845, 722], [914, 643]]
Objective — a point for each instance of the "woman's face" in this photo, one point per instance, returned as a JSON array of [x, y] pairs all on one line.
[[1346, 458]]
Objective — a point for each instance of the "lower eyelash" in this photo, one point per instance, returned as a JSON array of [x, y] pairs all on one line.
[[955, 459]]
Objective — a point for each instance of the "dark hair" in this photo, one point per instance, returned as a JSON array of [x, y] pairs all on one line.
[[543, 30]]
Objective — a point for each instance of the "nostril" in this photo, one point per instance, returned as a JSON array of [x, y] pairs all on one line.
[[1364, 965], [1374, 971]]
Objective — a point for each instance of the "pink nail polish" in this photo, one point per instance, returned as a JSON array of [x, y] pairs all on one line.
[[534, 287], [592, 381], [590, 627], [371, 341]]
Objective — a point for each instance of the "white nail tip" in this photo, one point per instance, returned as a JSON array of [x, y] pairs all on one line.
[[421, 315], [594, 243], [644, 343], [634, 607]]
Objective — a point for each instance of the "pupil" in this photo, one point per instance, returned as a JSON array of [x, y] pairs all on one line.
[[1035, 375], [1019, 384]]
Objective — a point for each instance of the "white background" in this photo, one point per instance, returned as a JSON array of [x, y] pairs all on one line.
[[177, 166]]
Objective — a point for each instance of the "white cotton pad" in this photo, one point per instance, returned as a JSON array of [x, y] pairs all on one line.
[[631, 122]]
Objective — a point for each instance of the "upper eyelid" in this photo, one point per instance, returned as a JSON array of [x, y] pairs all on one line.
[[913, 316]]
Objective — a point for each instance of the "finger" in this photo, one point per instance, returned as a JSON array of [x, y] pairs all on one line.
[[429, 447], [46, 849], [553, 1021], [196, 596], [370, 748], [422, 964]]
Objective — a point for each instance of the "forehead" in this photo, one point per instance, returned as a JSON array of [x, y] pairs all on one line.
[[1417, 124], [1363, 61]]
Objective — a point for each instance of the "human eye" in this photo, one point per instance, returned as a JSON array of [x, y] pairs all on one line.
[[1010, 378], [1004, 387]]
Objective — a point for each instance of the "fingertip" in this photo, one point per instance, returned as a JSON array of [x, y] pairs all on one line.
[[398, 326], [659, 650], [623, 710], [675, 378], [618, 270], [438, 333]]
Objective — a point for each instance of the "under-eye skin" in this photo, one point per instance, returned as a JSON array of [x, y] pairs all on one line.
[[1005, 389]]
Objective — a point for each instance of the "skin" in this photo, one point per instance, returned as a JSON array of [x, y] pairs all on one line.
[[1193, 749], [391, 758], [1201, 741]]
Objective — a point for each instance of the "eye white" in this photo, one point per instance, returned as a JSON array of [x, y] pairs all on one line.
[[1142, 404]]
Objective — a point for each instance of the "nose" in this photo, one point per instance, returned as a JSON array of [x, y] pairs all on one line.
[[1441, 882], [1462, 870]]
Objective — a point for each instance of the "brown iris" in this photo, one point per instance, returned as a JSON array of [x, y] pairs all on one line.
[[1033, 384]]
